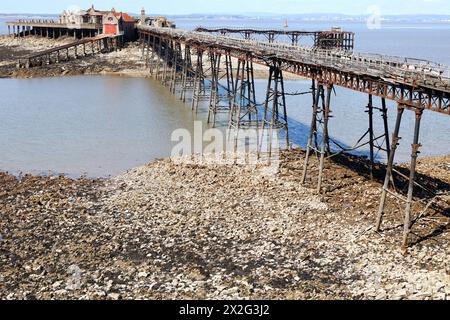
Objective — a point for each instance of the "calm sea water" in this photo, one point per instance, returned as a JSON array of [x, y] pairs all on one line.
[[103, 125], [96, 125]]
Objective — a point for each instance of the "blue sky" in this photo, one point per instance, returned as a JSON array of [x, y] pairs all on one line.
[[235, 6]]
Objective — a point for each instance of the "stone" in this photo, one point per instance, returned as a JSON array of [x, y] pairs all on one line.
[[133, 243], [114, 296], [57, 284]]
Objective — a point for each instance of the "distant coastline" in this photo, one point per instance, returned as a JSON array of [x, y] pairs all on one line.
[[264, 16]]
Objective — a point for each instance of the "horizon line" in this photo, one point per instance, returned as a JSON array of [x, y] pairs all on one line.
[[252, 14]]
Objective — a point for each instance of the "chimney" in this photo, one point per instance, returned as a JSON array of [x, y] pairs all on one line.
[[142, 20]]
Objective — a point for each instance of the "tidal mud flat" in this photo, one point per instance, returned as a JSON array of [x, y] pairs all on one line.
[[191, 231], [124, 62]]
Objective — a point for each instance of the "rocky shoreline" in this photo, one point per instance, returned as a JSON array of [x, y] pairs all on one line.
[[186, 231], [124, 62]]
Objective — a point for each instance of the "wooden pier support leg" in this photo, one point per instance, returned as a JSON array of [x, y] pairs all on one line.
[[214, 91], [230, 80], [165, 63], [327, 138], [384, 114], [173, 72], [198, 79], [212, 61], [153, 56], [160, 59], [186, 72], [312, 130], [252, 107], [235, 95], [275, 96], [284, 106], [371, 136], [142, 37], [266, 110], [147, 57], [274, 110], [326, 116], [412, 176], [390, 164], [245, 109], [238, 109]]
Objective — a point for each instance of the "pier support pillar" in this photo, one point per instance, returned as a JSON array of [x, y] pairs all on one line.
[[412, 176], [177, 65], [313, 129], [187, 80], [407, 223], [244, 112], [371, 135], [384, 112], [325, 138], [221, 98], [198, 90], [169, 47], [390, 164], [147, 57], [275, 113]]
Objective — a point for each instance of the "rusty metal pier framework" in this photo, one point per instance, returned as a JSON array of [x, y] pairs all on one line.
[[219, 70], [330, 39], [72, 51]]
